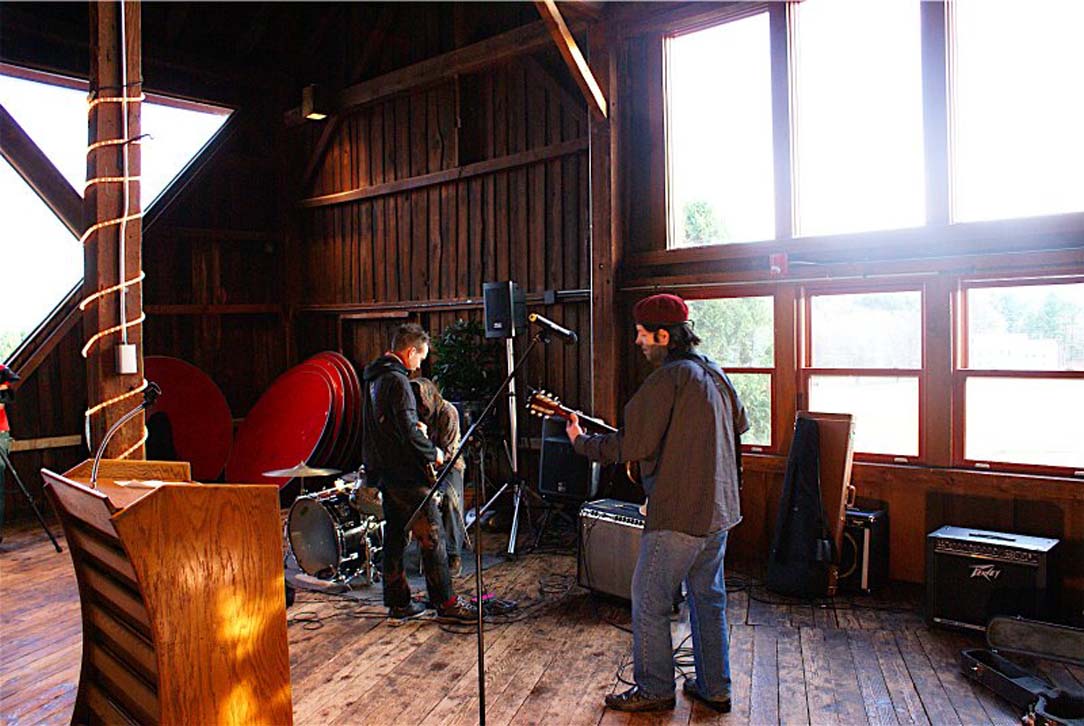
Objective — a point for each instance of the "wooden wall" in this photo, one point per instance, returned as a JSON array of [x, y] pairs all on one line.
[[424, 197]]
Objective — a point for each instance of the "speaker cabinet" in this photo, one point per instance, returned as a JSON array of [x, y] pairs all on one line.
[[973, 574], [610, 532], [863, 557], [505, 309], [562, 473]]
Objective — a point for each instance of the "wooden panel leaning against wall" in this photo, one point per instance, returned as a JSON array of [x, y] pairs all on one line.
[[422, 198]]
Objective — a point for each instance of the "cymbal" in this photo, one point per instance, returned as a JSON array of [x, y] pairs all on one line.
[[302, 470]]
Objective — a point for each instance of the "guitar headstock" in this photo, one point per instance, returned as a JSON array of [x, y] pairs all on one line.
[[542, 403]]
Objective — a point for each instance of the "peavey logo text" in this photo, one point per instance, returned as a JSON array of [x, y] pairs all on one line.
[[986, 572]]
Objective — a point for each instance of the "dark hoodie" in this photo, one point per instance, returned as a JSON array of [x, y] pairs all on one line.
[[394, 449]]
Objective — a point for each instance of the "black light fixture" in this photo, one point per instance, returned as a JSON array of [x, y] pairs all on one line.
[[313, 103]]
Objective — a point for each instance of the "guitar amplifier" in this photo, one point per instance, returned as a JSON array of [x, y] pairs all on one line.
[[973, 575], [863, 559], [609, 545]]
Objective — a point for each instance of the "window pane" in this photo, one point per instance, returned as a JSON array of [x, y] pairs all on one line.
[[885, 410], [868, 330], [1025, 421], [737, 332], [755, 391], [719, 135], [41, 260], [1017, 142], [858, 117], [1033, 327], [56, 119]]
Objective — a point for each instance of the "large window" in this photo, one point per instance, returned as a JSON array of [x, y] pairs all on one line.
[[858, 116], [1022, 374], [738, 333], [719, 134], [1017, 108], [41, 258], [864, 357], [874, 116]]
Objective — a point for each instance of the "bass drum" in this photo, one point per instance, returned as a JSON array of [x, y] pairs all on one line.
[[330, 539]]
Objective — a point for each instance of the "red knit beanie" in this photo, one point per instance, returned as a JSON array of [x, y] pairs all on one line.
[[661, 310]]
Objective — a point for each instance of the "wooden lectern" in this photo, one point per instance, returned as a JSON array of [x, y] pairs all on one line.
[[181, 587]]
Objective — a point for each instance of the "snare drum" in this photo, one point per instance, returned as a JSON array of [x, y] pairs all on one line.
[[331, 539]]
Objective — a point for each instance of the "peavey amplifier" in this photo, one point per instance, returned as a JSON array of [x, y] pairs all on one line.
[[863, 557], [973, 574], [610, 533]]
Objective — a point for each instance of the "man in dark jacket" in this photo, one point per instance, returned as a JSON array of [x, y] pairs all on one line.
[[396, 452], [7, 395], [682, 426]]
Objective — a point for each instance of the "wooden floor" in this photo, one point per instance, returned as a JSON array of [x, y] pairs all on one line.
[[790, 664]]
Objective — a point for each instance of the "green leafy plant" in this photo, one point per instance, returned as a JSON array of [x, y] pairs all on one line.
[[466, 365]]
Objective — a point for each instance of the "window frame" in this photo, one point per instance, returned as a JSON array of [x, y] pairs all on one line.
[[806, 369], [990, 236], [961, 372], [774, 445]]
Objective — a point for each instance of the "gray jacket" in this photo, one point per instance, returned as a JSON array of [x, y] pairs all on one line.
[[681, 428]]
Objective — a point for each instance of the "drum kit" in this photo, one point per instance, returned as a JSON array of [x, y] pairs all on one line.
[[335, 534]]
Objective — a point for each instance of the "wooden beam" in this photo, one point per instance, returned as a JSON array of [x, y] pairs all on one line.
[[470, 59], [209, 309], [573, 57], [488, 166], [104, 266], [50, 442], [605, 233], [192, 171], [40, 173]]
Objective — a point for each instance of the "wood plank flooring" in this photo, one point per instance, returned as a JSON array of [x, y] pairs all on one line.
[[554, 663]]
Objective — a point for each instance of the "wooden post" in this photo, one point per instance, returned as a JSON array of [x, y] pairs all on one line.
[[105, 201], [605, 235]]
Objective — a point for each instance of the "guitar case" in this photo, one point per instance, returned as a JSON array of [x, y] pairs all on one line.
[[802, 554], [1043, 703]]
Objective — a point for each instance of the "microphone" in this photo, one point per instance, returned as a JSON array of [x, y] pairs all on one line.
[[150, 395], [566, 335]]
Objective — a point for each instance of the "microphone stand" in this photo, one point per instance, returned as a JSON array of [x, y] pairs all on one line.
[[542, 336], [150, 395]]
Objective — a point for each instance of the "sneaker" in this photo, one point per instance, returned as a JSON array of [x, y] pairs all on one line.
[[461, 609], [455, 565], [690, 689], [410, 610], [635, 700]]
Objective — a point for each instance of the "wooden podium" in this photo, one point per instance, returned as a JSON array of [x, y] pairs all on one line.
[[181, 588]]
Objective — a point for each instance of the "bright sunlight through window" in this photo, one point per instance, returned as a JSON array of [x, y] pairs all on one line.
[[1018, 108], [719, 135], [41, 258], [858, 117]]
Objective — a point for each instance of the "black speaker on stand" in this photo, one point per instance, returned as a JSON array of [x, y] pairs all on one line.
[[505, 312]]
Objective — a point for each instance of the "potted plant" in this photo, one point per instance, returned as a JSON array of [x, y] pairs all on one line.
[[466, 366]]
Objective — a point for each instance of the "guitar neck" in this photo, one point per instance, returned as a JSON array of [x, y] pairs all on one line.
[[566, 413]]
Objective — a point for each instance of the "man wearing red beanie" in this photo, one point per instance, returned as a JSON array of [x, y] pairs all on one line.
[[683, 426]]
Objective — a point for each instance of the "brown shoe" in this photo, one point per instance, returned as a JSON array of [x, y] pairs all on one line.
[[635, 700], [690, 689], [461, 609]]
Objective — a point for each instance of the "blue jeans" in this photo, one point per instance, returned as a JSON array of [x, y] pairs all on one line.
[[667, 558]]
